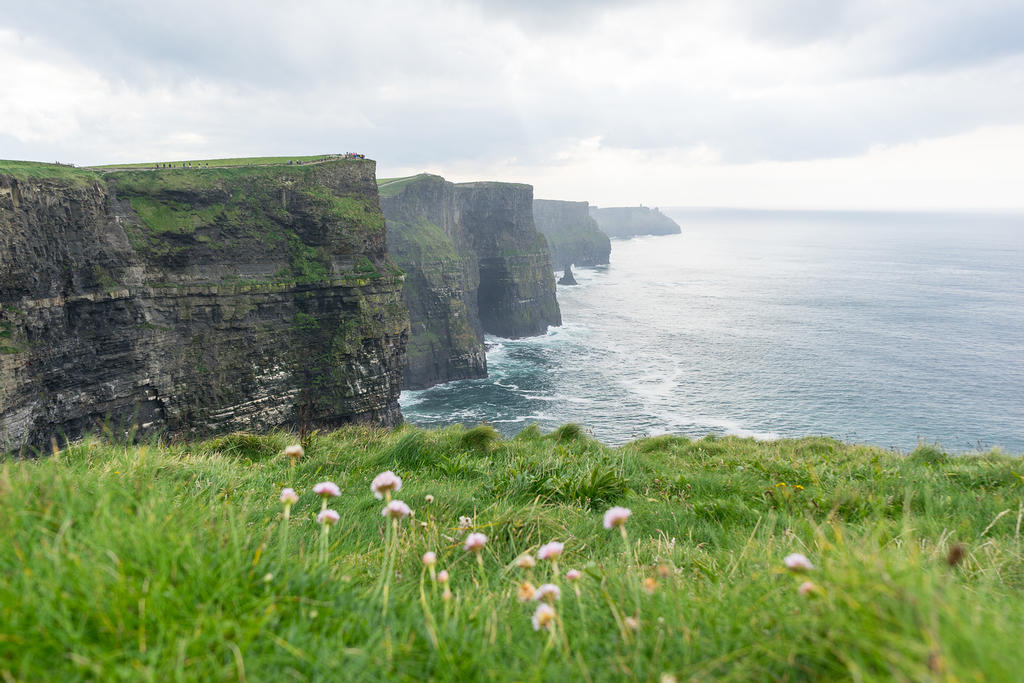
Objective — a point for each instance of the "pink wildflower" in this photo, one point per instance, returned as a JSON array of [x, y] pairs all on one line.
[[543, 617], [385, 482], [548, 591], [550, 551], [573, 575], [429, 559], [806, 588], [442, 576], [475, 542], [797, 562], [328, 517], [396, 509], [616, 516], [526, 561], [327, 489], [289, 497]]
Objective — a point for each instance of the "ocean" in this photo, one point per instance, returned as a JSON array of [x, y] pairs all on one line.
[[892, 329]]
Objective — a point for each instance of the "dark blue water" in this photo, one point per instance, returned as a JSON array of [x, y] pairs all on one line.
[[888, 329]]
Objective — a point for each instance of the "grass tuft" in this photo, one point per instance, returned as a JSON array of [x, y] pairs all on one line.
[[568, 432], [480, 438], [928, 455]]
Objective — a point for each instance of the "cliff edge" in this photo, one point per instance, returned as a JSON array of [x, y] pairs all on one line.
[[474, 263], [442, 279], [516, 297], [629, 221], [573, 235], [195, 301]]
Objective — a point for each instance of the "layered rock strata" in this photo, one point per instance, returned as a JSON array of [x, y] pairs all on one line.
[[442, 278], [195, 301], [573, 235], [475, 263], [629, 221], [516, 297]]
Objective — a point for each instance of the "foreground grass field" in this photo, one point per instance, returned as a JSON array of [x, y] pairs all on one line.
[[157, 562]]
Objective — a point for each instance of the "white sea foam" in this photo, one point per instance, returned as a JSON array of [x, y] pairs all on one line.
[[408, 398], [537, 397]]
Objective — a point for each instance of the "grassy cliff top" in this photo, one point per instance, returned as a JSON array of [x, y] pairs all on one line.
[[494, 184], [223, 163], [35, 170], [26, 170], [177, 561], [389, 187]]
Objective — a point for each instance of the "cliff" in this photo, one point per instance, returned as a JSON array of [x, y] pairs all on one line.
[[628, 221], [474, 263], [195, 301], [442, 278], [516, 297], [573, 235]]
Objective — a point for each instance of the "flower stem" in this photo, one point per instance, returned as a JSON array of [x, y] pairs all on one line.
[[390, 563], [284, 533], [633, 580], [480, 567], [579, 604], [427, 614], [324, 531]]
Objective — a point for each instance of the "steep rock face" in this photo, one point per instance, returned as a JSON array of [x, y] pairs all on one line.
[[628, 221], [573, 235], [442, 278], [516, 296], [196, 301]]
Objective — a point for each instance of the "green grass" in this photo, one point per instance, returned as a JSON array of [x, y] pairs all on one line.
[[239, 161], [389, 187], [170, 562], [34, 170], [169, 216], [418, 242]]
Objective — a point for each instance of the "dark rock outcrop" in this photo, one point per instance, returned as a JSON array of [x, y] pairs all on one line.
[[516, 297], [442, 278], [629, 221], [474, 263], [573, 235], [567, 277], [195, 301]]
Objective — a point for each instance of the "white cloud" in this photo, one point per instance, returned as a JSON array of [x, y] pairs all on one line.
[[982, 169], [711, 100]]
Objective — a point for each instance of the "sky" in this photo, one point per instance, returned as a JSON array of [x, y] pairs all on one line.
[[823, 104]]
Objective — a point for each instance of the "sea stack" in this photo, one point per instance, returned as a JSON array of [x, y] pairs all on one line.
[[567, 278]]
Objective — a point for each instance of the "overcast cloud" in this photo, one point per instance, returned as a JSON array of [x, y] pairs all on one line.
[[790, 103]]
